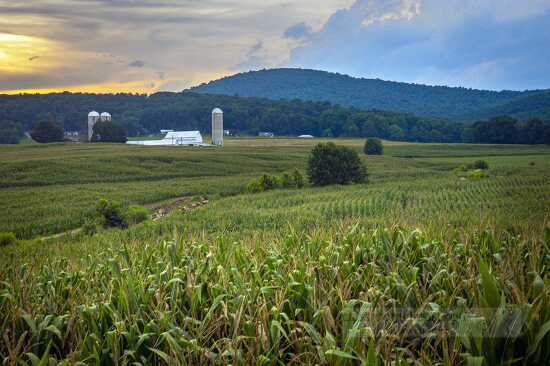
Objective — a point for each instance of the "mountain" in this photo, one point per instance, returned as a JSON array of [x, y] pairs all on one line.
[[456, 104]]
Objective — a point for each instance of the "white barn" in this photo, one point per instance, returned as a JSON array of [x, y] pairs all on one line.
[[175, 138]]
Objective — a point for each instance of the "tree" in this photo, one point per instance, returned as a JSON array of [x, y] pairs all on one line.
[[373, 146], [106, 131], [47, 131], [331, 164], [10, 132]]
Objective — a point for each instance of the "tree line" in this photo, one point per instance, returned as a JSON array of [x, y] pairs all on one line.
[[142, 115]]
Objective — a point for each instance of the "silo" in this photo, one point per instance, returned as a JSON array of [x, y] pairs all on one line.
[[93, 117], [105, 117], [217, 127]]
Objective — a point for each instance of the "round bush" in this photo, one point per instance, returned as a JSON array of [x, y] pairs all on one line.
[[331, 164], [373, 146], [47, 131], [136, 214]]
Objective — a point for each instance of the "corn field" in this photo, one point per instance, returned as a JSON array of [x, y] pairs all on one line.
[[421, 266]]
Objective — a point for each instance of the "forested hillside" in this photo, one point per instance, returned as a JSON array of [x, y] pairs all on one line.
[[457, 104], [140, 114]]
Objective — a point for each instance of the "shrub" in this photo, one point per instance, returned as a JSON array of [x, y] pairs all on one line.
[[136, 214], [478, 174], [111, 214], [89, 228], [481, 164], [268, 182], [373, 146], [47, 131], [254, 186], [331, 164], [8, 239], [297, 178], [287, 180], [461, 168]]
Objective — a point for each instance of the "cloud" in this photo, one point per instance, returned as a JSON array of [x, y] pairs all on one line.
[[137, 63], [480, 44], [297, 31]]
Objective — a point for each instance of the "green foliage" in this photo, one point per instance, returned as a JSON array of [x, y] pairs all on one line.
[[373, 146], [508, 130], [315, 276], [136, 214], [330, 164], [111, 214], [8, 239], [268, 182], [141, 115], [47, 131], [480, 164], [297, 178], [108, 131], [478, 174], [10, 132], [89, 228]]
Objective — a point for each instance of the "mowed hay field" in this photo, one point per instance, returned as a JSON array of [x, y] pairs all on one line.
[[422, 265]]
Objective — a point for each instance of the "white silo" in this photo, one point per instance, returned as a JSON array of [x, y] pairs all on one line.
[[105, 117], [93, 117], [217, 127]]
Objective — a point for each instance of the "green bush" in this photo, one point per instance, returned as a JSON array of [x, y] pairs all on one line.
[[89, 228], [331, 164], [478, 174], [136, 214], [481, 164], [111, 214], [373, 146], [287, 181], [268, 182], [8, 239], [254, 186], [297, 178]]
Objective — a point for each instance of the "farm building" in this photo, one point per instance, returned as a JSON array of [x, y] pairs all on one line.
[[190, 138], [306, 136], [266, 134]]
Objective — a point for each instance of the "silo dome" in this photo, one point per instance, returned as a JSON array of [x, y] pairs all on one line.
[[217, 111], [105, 114], [93, 114]]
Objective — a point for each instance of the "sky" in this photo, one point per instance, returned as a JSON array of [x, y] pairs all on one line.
[[144, 46]]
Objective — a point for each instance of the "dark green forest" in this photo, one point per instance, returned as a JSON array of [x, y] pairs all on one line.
[[453, 104], [141, 115]]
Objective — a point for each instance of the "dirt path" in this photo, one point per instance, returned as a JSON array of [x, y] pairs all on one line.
[[185, 204], [158, 209]]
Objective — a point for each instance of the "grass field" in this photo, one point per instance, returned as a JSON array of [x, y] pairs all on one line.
[[422, 265]]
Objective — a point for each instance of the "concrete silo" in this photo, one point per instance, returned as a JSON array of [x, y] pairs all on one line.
[[93, 118], [217, 127], [105, 117]]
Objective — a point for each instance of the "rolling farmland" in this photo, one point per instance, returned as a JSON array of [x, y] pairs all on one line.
[[423, 265]]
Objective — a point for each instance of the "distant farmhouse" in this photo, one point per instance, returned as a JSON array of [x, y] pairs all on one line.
[[266, 134]]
